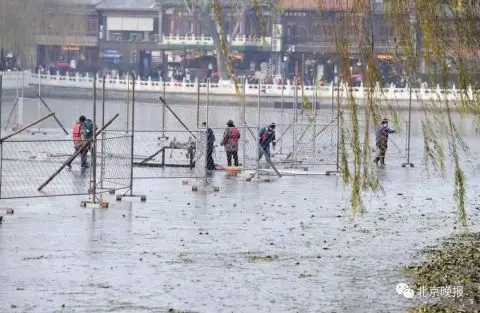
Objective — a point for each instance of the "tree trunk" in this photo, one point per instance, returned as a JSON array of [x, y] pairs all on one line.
[[221, 57], [217, 41]]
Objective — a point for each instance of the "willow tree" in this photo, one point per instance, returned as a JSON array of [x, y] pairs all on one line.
[[428, 34], [213, 14]]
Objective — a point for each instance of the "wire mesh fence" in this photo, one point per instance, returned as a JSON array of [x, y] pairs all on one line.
[[203, 153], [164, 154], [187, 141], [27, 164], [114, 162]]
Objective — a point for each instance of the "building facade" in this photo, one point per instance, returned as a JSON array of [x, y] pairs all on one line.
[[317, 34], [129, 36], [66, 36], [164, 37]]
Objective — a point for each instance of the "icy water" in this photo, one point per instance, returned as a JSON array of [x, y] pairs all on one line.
[[290, 245]]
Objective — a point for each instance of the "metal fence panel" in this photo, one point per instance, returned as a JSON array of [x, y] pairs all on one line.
[[114, 161], [29, 163], [164, 154]]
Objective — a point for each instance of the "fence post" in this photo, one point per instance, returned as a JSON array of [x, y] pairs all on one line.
[[1, 99], [408, 163], [94, 145], [295, 107], [128, 101], [314, 108], [244, 121], [282, 113], [39, 96], [102, 166], [133, 135], [206, 133], [1, 169], [338, 126], [163, 110], [258, 129], [198, 103]]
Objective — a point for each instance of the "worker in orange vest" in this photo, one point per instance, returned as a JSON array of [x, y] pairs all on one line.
[[79, 132], [230, 141]]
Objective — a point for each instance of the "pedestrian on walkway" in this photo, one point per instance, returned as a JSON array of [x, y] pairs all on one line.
[[230, 139]]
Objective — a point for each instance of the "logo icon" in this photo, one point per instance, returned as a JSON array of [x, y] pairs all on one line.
[[404, 290]]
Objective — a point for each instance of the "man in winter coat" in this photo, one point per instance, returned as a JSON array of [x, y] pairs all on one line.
[[210, 144], [79, 133], [230, 141], [265, 137], [381, 134]]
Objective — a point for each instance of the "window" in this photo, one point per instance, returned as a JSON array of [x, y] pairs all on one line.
[[92, 25]]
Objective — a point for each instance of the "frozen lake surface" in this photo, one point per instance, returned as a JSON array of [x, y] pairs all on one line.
[[205, 252], [291, 245]]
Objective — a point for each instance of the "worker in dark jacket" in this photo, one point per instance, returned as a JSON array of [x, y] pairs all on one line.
[[266, 137], [210, 147], [230, 142], [381, 134]]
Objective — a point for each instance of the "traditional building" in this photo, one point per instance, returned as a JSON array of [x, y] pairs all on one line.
[[316, 33], [129, 35], [66, 36], [151, 36]]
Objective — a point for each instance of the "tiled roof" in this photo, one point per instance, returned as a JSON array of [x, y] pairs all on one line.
[[147, 5], [334, 5], [128, 5]]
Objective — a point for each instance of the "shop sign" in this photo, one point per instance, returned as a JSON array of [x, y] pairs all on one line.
[[111, 53]]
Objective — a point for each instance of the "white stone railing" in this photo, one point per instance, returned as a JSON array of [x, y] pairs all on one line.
[[15, 79], [208, 41], [287, 91]]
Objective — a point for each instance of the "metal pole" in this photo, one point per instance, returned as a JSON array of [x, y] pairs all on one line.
[[333, 104], [26, 127], [314, 115], [94, 143], [205, 136], [283, 114], [258, 129], [208, 100], [102, 167], [198, 103], [303, 82], [133, 135], [103, 102], [295, 105], [1, 107], [76, 153], [244, 122], [163, 109], [54, 117], [39, 95], [16, 87], [1, 168], [409, 124], [338, 127], [128, 101]]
